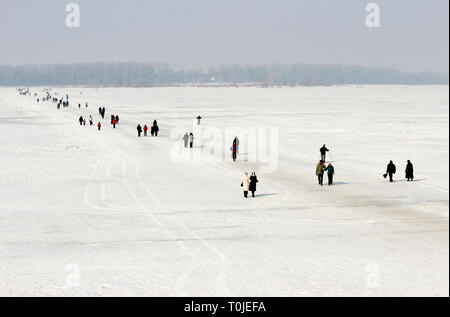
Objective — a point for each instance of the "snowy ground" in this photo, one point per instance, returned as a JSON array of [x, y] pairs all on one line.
[[104, 213]]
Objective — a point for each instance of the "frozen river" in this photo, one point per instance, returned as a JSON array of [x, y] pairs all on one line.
[[89, 213]]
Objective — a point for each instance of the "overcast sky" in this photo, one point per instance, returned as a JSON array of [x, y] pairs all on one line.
[[200, 33]]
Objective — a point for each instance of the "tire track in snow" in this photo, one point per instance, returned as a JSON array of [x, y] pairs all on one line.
[[85, 134], [181, 285]]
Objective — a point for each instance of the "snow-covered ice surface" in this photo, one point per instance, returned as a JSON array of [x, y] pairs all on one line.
[[88, 213]]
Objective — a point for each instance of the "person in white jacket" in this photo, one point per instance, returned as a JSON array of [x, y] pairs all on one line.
[[245, 184]]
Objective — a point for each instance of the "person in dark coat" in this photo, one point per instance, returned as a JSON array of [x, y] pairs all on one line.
[[117, 119], [323, 153], [330, 173], [156, 129], [391, 170], [139, 130], [81, 120], [191, 140], [199, 118], [253, 181], [409, 172]]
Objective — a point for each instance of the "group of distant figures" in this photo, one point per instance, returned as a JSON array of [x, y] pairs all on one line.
[[390, 170], [79, 105], [248, 182], [154, 130], [114, 121]]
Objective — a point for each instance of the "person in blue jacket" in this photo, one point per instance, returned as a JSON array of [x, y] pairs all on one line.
[[330, 173]]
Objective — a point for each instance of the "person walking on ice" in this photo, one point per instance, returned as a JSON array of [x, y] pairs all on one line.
[[81, 120], [91, 121], [199, 119], [409, 171], [191, 140], [253, 181], [236, 142], [186, 140], [139, 130], [155, 130], [330, 173], [323, 153], [114, 122], [234, 151], [320, 170], [390, 170], [145, 130], [99, 126], [245, 184]]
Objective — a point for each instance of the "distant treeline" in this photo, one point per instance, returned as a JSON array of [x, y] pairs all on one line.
[[135, 74]]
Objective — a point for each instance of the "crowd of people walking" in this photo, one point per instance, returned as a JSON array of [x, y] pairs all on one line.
[[248, 182]]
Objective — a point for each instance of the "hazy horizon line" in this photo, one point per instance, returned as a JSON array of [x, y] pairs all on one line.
[[219, 66]]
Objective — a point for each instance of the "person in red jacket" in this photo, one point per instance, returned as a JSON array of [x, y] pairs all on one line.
[[234, 151], [114, 122], [99, 125], [145, 130]]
